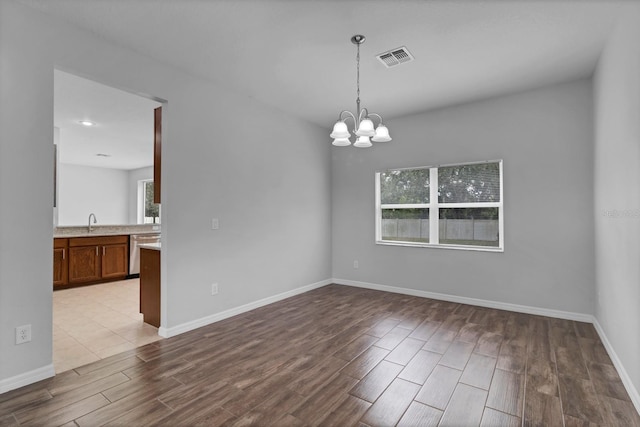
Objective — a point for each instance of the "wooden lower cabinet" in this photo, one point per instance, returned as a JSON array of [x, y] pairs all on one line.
[[150, 286], [60, 262], [91, 260], [84, 264], [115, 263]]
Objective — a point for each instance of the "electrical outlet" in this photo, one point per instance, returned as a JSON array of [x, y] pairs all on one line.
[[355, 264], [215, 223], [214, 289], [23, 334]]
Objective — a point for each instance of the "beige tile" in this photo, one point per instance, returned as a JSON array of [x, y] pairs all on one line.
[[116, 349], [67, 317], [139, 327], [66, 365], [72, 358], [144, 340], [137, 316], [82, 326], [105, 314], [89, 335], [62, 343], [97, 321], [111, 340], [71, 351], [118, 322]]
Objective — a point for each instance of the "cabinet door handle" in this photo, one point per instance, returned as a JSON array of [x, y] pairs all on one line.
[[104, 250], [63, 254], [96, 251]]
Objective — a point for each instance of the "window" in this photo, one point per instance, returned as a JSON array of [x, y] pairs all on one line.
[[453, 206], [148, 212]]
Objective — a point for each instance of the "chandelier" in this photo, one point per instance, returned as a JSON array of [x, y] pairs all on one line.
[[363, 124]]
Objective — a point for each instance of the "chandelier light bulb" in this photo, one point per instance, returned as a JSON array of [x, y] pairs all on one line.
[[363, 142], [341, 142], [366, 128], [340, 130], [382, 134]]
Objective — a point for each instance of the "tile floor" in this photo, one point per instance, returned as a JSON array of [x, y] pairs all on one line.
[[97, 321]]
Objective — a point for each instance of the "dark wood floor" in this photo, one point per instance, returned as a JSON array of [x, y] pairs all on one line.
[[340, 356]]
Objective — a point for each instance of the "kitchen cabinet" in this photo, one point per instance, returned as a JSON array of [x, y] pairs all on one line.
[[98, 259], [150, 286], [60, 262], [84, 264], [157, 153], [114, 261]]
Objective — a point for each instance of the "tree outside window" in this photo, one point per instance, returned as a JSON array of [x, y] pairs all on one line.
[[151, 210]]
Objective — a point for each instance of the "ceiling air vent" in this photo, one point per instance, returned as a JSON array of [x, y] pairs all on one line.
[[395, 57]]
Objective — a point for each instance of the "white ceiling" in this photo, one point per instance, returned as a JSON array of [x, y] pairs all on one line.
[[297, 55], [123, 124]]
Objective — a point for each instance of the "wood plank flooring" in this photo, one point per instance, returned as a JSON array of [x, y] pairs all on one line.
[[340, 356]]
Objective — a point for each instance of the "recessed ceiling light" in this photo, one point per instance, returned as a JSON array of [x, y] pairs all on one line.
[[103, 155], [86, 123]]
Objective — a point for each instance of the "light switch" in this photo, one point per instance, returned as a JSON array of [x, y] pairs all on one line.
[[215, 224]]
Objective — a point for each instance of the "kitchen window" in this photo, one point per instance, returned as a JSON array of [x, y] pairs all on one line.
[[452, 206], [148, 212]]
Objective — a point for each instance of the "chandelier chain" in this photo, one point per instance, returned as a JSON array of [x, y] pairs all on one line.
[[358, 76]]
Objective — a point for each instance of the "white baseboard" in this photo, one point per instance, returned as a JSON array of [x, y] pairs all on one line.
[[624, 376], [194, 324], [27, 378], [568, 315]]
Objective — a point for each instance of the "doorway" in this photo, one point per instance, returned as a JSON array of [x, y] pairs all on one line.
[[104, 149]]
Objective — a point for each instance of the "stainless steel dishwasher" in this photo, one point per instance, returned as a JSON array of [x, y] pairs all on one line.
[[134, 254]]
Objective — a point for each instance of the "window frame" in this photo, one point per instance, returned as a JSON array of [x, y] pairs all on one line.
[[434, 207]]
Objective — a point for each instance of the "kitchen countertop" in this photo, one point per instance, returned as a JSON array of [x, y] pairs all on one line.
[[105, 230], [152, 246]]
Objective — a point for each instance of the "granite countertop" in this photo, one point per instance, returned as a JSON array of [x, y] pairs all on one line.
[[152, 246], [105, 230]]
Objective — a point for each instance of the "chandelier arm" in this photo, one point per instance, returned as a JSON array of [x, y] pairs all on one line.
[[349, 116], [376, 115]]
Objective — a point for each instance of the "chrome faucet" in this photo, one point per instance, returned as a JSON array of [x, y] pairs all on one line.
[[94, 221]]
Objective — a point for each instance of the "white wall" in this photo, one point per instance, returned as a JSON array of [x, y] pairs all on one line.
[[133, 176], [267, 180], [617, 192], [85, 189], [545, 138]]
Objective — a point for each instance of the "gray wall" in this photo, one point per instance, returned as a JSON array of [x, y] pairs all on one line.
[[545, 138], [617, 192], [272, 167], [26, 171]]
